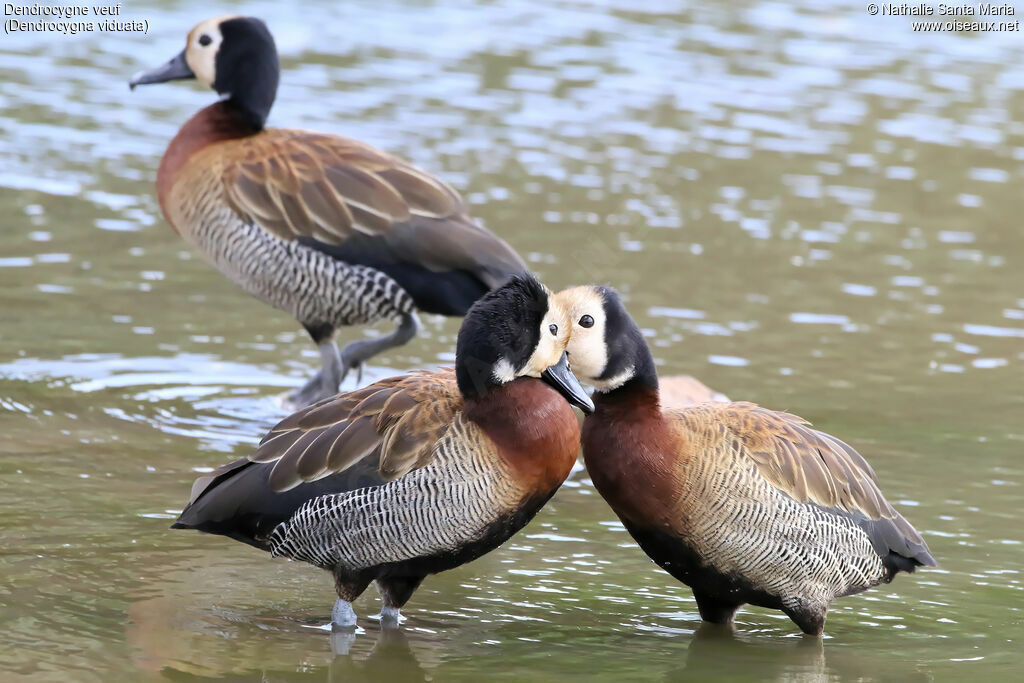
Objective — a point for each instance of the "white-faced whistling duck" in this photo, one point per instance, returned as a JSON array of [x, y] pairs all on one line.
[[328, 229], [415, 474], [741, 503]]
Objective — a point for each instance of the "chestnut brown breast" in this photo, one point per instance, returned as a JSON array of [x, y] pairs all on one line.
[[630, 453], [534, 428], [210, 125]]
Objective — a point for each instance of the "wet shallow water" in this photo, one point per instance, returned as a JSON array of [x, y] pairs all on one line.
[[806, 206]]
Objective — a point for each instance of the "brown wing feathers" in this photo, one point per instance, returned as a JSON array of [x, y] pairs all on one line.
[[329, 189], [808, 465], [399, 419], [300, 184]]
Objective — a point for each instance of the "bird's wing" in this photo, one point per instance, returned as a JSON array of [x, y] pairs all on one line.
[[396, 420], [332, 190], [808, 465]]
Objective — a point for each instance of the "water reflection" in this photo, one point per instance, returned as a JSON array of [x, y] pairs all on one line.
[[392, 655], [716, 652]]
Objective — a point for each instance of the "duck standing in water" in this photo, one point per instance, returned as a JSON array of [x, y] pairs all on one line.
[[415, 474], [328, 229], [741, 503]]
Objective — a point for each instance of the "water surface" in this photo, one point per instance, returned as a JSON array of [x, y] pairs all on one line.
[[805, 206]]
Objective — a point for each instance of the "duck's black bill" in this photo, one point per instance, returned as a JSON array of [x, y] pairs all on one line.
[[174, 70], [561, 378]]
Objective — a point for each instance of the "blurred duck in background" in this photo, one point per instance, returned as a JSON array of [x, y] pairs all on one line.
[[325, 228]]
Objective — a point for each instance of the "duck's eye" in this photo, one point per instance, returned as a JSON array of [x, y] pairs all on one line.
[[586, 321], [205, 40], [553, 329]]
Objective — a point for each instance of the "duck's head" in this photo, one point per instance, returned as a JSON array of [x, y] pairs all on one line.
[[235, 56], [514, 331], [606, 348]]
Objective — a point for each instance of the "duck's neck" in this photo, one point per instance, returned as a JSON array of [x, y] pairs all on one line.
[[248, 73], [215, 123], [635, 397], [628, 446], [640, 391], [534, 428], [251, 111]]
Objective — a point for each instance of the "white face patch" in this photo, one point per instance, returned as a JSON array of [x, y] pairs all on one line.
[[554, 335], [503, 371], [588, 352], [201, 48]]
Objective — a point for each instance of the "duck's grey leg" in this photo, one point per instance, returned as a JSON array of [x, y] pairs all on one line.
[[343, 615], [324, 383], [390, 617], [716, 610], [395, 591], [349, 588], [358, 352]]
